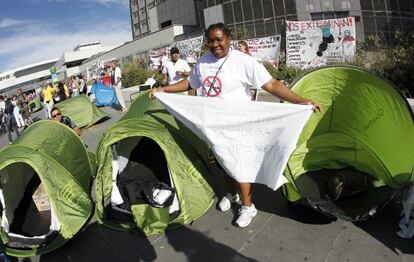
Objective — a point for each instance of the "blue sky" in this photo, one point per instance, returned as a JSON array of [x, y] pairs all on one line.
[[35, 30]]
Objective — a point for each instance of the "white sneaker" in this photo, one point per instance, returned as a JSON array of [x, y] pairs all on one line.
[[225, 202], [246, 215]]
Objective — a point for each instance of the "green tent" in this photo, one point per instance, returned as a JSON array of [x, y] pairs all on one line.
[[35, 105], [148, 144], [51, 155], [81, 111], [357, 154]]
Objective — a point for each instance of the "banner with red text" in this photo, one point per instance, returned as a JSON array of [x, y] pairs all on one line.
[[320, 42]]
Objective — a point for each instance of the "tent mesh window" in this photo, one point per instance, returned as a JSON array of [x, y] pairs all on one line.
[[345, 193], [138, 164], [27, 223]]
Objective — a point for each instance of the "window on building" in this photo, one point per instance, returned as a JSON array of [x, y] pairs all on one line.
[[279, 8], [210, 3], [395, 24], [144, 27], [267, 8], [290, 6], [257, 10], [383, 28], [270, 26], [166, 23], [260, 28], [238, 15], [327, 5], [408, 24], [366, 5], [379, 5], [247, 10], [249, 27], [228, 13], [329, 15], [405, 5]]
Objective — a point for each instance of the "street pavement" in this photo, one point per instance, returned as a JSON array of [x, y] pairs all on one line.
[[279, 232]]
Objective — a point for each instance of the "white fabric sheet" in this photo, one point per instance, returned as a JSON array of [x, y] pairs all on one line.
[[251, 140]]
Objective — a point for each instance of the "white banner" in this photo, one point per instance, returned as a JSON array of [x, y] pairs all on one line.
[[158, 56], [264, 49], [316, 43], [94, 71], [190, 49], [251, 140]]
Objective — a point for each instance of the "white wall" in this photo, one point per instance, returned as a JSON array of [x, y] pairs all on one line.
[[213, 15], [155, 40], [16, 81]]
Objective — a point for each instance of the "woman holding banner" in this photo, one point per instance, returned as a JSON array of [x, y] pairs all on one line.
[[229, 74]]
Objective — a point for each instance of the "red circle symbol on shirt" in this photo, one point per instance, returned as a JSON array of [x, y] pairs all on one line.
[[212, 86]]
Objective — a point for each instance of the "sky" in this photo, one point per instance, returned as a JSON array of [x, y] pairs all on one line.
[[37, 30]]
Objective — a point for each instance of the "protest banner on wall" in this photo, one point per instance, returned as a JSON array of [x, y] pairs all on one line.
[[316, 43], [94, 71], [264, 49], [190, 49], [158, 56]]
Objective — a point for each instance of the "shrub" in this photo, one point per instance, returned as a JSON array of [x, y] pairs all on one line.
[[393, 60], [134, 74]]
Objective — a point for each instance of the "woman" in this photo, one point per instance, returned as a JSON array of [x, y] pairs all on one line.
[[236, 75], [60, 94], [243, 47]]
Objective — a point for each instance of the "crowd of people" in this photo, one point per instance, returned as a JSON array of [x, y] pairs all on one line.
[[52, 94], [15, 112], [111, 76]]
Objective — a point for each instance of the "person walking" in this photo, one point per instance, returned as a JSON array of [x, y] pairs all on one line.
[[16, 113], [9, 119], [229, 74], [48, 103], [23, 104], [175, 69], [117, 84]]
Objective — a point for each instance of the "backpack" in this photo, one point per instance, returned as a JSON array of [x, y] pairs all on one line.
[[8, 107]]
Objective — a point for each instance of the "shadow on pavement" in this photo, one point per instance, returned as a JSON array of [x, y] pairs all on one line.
[[198, 247], [274, 202], [384, 228], [98, 243]]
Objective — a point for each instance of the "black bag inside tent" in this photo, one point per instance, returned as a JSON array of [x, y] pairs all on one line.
[[151, 150]]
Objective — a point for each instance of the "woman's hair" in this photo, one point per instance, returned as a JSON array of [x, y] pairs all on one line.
[[219, 26], [243, 43]]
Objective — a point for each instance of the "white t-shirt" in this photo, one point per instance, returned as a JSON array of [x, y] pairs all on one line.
[[117, 74], [239, 73], [171, 68]]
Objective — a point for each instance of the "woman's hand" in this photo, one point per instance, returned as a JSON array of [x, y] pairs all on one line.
[[315, 107], [155, 90]]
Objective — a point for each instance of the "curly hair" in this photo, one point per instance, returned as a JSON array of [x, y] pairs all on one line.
[[219, 26]]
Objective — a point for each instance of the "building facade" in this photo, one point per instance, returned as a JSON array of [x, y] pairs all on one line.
[[69, 63], [37, 75], [266, 17], [26, 77], [150, 16]]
